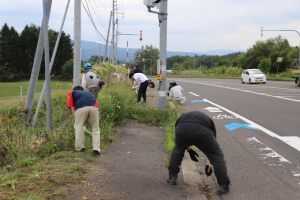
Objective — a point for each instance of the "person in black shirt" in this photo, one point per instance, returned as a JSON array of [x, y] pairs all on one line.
[[198, 129]]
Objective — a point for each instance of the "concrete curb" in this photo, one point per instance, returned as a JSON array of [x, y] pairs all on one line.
[[191, 178]]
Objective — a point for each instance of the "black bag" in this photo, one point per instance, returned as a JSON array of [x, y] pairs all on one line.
[[151, 84]]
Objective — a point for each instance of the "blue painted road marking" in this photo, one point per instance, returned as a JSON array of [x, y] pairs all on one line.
[[197, 101], [234, 126]]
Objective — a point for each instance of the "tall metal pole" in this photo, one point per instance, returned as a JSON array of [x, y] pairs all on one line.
[[113, 34], [35, 69], [47, 67], [34, 120], [298, 33], [77, 42], [107, 38], [162, 100]]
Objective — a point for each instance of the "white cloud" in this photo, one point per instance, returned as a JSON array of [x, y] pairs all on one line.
[[193, 25]]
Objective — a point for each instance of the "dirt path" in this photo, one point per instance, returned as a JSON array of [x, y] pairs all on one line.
[[132, 167]]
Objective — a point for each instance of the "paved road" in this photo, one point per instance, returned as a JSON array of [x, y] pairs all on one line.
[[259, 130]]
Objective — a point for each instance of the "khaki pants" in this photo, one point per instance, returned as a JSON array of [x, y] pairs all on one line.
[[81, 116], [180, 100]]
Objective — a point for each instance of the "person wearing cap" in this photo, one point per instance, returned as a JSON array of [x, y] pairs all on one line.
[[84, 106], [175, 93], [198, 129], [90, 81], [142, 80]]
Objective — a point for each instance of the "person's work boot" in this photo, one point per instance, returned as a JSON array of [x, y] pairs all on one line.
[[96, 153], [172, 180], [223, 189]]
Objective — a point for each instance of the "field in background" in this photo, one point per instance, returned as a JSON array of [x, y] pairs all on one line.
[[12, 93]]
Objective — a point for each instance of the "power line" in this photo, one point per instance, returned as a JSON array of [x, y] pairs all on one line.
[[100, 19], [86, 8]]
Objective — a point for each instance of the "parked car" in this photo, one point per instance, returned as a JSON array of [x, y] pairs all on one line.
[[253, 76]]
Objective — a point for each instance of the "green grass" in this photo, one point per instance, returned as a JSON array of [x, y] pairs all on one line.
[[35, 165], [12, 93]]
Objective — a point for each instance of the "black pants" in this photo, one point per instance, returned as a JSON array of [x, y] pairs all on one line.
[[142, 91], [188, 134]]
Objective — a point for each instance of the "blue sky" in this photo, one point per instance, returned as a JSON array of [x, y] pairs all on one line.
[[195, 25]]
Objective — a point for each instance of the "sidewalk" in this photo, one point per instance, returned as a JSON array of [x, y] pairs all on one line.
[[189, 170], [133, 167]]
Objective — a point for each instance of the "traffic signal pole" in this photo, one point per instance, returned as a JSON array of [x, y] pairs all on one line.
[[162, 63], [163, 9]]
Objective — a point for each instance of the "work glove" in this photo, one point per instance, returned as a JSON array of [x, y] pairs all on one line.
[[193, 154], [208, 170]]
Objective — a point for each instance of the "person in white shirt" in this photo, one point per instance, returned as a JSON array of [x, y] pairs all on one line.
[[140, 78], [176, 93], [91, 81]]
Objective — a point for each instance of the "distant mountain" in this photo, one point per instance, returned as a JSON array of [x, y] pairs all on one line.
[[92, 48]]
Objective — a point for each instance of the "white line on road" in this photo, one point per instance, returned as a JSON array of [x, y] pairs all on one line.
[[258, 93], [270, 152], [194, 94], [295, 142]]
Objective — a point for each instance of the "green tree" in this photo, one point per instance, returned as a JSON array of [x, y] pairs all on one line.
[[272, 48], [64, 51], [145, 59], [28, 41], [67, 70], [17, 52], [265, 65]]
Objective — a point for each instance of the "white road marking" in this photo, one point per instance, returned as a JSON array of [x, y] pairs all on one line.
[[213, 109], [256, 85], [194, 94], [241, 90], [293, 141], [271, 153], [287, 140]]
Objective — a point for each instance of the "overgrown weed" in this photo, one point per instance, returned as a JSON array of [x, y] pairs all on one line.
[[35, 164]]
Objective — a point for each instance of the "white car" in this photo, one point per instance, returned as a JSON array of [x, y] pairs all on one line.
[[253, 76]]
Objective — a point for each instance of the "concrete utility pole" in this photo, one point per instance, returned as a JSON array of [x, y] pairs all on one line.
[[47, 67], [113, 43], [35, 69], [298, 33], [107, 38], [77, 42], [35, 117], [163, 9]]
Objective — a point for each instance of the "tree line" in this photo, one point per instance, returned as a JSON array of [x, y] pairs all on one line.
[[271, 56], [17, 52]]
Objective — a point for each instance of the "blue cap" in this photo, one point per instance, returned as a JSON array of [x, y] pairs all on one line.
[[87, 66]]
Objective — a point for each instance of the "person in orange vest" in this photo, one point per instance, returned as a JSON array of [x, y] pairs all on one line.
[[84, 106]]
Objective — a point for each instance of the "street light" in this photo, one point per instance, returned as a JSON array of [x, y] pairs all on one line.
[[262, 30]]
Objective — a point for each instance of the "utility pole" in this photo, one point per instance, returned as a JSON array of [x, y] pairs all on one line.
[[47, 67], [35, 117], [113, 44], [163, 17], [107, 38], [77, 42], [35, 69]]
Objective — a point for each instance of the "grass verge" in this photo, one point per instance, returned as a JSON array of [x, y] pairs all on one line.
[[36, 165]]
